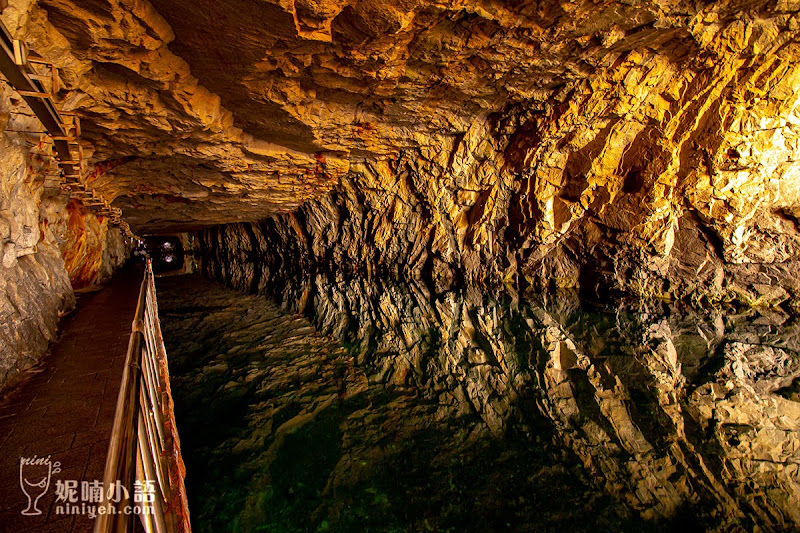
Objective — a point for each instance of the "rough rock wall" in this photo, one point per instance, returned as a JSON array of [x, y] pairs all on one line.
[[163, 147], [48, 246], [669, 173], [207, 112], [93, 249]]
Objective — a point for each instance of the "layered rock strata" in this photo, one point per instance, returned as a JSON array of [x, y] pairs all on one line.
[[163, 146], [669, 169], [649, 148], [650, 141]]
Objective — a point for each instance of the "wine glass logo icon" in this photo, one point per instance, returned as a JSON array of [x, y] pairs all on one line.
[[34, 480]]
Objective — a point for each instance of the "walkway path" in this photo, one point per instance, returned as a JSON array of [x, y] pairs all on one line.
[[65, 408]]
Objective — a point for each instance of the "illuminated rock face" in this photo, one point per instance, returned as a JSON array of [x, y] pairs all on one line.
[[49, 246], [647, 148], [34, 287], [528, 126], [93, 249]]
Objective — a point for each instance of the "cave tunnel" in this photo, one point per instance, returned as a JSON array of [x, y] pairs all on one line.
[[165, 252], [359, 265]]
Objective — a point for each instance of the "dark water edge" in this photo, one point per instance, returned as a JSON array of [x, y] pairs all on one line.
[[400, 410]]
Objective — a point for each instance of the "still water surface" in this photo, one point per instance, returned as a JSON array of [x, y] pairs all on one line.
[[382, 407]]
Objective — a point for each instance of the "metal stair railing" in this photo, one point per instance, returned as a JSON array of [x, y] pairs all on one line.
[[143, 487], [63, 128]]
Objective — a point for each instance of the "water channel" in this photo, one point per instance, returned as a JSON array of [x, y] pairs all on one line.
[[355, 405]]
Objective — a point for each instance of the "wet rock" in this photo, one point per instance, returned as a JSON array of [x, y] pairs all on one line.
[[34, 293]]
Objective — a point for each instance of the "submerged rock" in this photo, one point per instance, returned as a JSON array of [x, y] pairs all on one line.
[[459, 410]]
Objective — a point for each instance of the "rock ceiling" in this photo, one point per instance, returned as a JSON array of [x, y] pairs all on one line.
[[199, 112]]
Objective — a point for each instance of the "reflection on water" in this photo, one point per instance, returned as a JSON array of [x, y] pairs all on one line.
[[405, 411], [166, 252]]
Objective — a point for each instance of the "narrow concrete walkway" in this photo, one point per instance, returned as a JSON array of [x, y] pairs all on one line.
[[65, 408]]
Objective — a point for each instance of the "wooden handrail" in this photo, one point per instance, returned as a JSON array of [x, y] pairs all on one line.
[[144, 451]]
